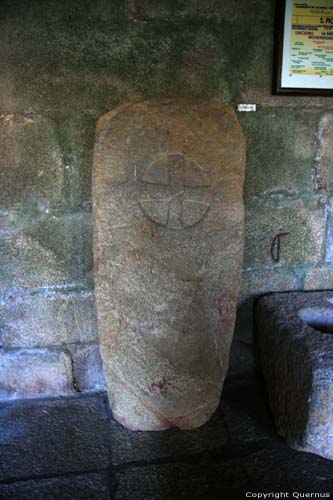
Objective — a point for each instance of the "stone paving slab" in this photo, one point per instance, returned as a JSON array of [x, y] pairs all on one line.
[[182, 482], [53, 437], [283, 469], [93, 486], [245, 411], [128, 446], [61, 448]]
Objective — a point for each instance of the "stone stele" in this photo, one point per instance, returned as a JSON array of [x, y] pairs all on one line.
[[168, 245]]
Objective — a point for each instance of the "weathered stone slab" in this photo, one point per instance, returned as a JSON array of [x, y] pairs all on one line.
[[325, 153], [50, 250], [47, 318], [128, 446], [93, 486], [304, 244], [54, 436], [88, 368], [168, 215], [254, 283], [319, 278], [276, 169], [34, 372], [30, 160], [296, 351], [181, 481]]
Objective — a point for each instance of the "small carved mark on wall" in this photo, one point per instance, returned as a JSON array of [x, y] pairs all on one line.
[[276, 246]]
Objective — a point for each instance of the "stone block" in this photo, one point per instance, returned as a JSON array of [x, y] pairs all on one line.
[[168, 240], [88, 368], [54, 250], [47, 318], [31, 162], [69, 238], [319, 278], [325, 153], [53, 437], [26, 373], [94, 486], [303, 245], [77, 137], [255, 283], [281, 150], [26, 263], [296, 350]]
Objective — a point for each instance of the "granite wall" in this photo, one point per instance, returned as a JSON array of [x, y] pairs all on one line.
[[64, 64]]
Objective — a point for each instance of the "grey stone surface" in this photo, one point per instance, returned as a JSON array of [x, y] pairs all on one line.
[[168, 239], [47, 318], [31, 161], [182, 482], [69, 238], [304, 244], [245, 411], [88, 368], [28, 373], [94, 486], [275, 169], [325, 153], [129, 446], [296, 352], [26, 263], [49, 250], [53, 437], [254, 283], [282, 469], [319, 278], [60, 448]]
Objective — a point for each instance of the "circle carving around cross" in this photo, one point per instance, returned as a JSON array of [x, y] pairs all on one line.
[[175, 191]]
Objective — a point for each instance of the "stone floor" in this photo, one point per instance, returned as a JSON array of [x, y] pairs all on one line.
[[70, 448]]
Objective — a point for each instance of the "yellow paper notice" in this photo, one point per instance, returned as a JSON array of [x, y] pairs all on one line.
[[311, 47]]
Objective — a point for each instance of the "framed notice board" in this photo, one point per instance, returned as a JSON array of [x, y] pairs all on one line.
[[304, 47]]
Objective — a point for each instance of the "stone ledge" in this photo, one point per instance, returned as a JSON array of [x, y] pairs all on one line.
[[26, 373]]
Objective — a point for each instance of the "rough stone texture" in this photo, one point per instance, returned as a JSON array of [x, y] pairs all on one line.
[[304, 244], [53, 446], [25, 263], [168, 214], [131, 447], [92, 56], [69, 239], [270, 168], [325, 153], [93, 486], [34, 372], [183, 481], [30, 160], [296, 349], [255, 283], [88, 368], [53, 437], [319, 278], [47, 318], [44, 251]]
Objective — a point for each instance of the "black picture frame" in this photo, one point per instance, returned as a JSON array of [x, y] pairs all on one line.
[[278, 89]]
